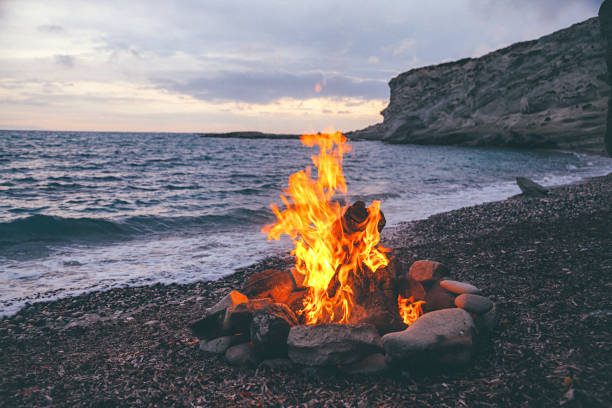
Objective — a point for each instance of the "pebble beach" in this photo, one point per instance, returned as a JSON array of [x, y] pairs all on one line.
[[545, 262]]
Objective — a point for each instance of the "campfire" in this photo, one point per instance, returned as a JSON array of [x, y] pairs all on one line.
[[345, 290], [337, 251]]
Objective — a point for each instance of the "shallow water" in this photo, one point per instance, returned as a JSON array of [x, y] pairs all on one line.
[[91, 211]]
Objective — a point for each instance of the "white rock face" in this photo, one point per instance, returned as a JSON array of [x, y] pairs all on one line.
[[549, 92]]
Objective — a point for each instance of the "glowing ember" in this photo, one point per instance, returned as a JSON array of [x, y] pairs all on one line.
[[324, 249], [409, 309]]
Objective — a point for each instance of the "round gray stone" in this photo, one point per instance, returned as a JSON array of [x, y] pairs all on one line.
[[218, 345], [474, 303]]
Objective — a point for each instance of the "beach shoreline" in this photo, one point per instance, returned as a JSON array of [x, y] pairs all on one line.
[[545, 262]]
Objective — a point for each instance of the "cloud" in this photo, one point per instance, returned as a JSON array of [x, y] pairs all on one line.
[[403, 47], [50, 28], [265, 87], [64, 60], [258, 54]]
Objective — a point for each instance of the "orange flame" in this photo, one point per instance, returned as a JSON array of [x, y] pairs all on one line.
[[323, 249], [409, 309]]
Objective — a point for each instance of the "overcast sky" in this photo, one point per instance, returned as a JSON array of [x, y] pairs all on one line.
[[274, 66]]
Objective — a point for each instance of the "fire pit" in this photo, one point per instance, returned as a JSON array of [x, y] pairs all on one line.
[[345, 290]]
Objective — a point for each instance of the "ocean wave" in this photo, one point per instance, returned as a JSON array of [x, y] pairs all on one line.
[[48, 229]]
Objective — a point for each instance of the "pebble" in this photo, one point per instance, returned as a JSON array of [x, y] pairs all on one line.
[[459, 287], [473, 303], [218, 345]]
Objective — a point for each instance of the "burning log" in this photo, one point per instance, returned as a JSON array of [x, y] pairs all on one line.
[[353, 220], [270, 283], [374, 295], [355, 216]]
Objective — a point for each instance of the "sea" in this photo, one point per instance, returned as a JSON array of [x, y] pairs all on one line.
[[82, 211]]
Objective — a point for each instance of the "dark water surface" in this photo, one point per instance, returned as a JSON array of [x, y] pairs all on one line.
[[91, 211]]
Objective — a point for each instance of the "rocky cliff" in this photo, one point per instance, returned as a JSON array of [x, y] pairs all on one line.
[[605, 22], [549, 92]]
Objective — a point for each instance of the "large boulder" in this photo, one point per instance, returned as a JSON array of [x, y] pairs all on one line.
[[270, 283], [442, 337], [332, 344], [269, 330]]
